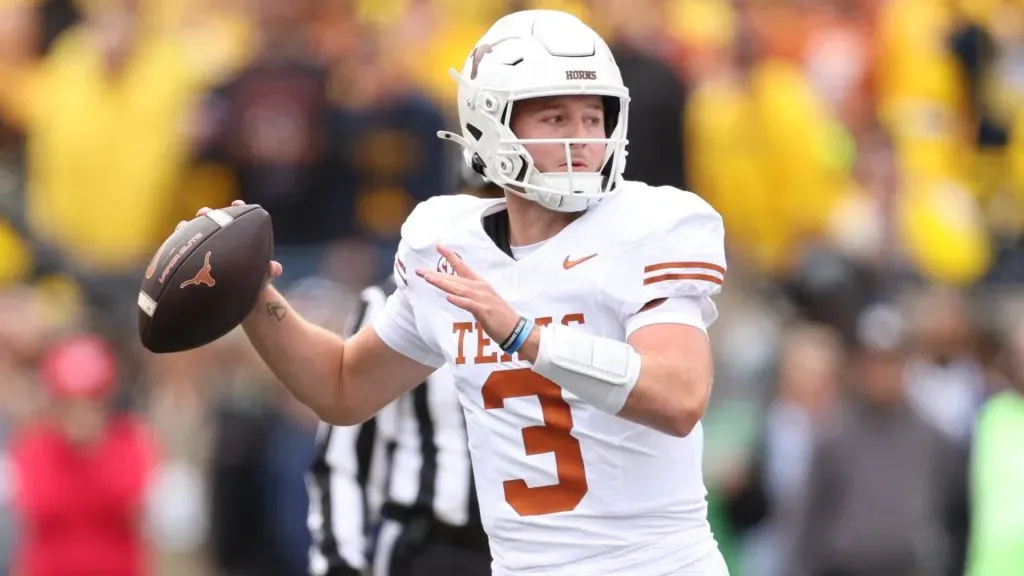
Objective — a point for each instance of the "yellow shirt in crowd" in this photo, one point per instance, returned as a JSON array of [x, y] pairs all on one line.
[[105, 153], [920, 89], [766, 155]]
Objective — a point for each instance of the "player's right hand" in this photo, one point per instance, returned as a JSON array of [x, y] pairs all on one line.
[[274, 269]]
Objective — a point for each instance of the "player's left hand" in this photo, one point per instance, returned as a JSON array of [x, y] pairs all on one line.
[[473, 294]]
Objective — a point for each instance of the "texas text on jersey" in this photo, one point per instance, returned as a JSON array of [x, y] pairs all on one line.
[[565, 488]]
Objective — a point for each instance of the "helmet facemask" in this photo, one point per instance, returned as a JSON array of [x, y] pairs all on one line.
[[513, 168], [530, 55]]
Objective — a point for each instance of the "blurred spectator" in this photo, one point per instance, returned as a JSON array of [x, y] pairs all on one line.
[[57, 16], [241, 539], [994, 359], [101, 112], [179, 387], [766, 154], [104, 129], [656, 144], [945, 383], [863, 226], [282, 139], [839, 59], [919, 89], [290, 450], [764, 504], [435, 35], [80, 476], [399, 159], [922, 98], [996, 499], [988, 43], [20, 33], [882, 482], [831, 288], [23, 333]]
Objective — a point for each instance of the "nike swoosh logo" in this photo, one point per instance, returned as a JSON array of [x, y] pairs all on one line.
[[567, 264]]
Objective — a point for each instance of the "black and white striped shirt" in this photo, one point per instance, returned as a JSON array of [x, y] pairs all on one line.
[[413, 455]]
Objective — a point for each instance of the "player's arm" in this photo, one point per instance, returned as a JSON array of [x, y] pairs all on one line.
[[674, 385], [345, 381], [661, 376]]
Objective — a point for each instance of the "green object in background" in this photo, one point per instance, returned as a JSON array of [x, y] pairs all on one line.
[[723, 532], [997, 489], [838, 147], [731, 430]]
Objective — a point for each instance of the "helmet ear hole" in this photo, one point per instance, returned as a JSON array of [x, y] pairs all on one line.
[[524, 165], [488, 103], [478, 165], [506, 115]]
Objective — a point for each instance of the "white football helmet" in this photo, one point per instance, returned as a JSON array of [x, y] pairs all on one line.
[[533, 54]]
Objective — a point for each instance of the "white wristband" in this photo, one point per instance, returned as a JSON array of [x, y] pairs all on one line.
[[600, 371]]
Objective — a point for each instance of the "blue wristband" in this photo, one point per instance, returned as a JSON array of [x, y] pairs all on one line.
[[521, 337], [520, 324]]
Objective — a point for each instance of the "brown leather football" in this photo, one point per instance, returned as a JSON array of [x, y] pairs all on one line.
[[205, 278]]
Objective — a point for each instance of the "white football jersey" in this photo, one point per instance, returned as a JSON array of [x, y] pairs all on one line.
[[564, 488]]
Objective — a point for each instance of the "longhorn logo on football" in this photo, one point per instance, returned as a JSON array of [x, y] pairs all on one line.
[[203, 276]]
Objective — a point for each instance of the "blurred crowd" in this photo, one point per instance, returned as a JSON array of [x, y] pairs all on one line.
[[867, 156]]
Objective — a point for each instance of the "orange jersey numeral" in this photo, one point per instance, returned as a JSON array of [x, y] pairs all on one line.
[[554, 436]]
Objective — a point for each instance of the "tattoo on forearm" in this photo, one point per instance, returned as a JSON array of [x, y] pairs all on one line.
[[276, 310]]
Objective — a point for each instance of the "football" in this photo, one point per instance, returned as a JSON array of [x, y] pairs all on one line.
[[205, 278]]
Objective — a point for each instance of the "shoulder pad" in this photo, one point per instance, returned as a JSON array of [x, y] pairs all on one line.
[[432, 218], [677, 248], [430, 222], [646, 212]]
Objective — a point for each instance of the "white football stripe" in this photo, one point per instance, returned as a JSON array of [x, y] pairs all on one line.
[[147, 304], [221, 217]]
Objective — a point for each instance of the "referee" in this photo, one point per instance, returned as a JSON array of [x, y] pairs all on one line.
[[394, 496]]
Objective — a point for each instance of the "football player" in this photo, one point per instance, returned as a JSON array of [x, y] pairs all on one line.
[[573, 313]]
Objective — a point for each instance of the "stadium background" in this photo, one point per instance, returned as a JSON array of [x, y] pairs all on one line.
[[867, 155]]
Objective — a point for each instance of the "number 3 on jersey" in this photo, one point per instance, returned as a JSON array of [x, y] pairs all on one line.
[[554, 436]]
